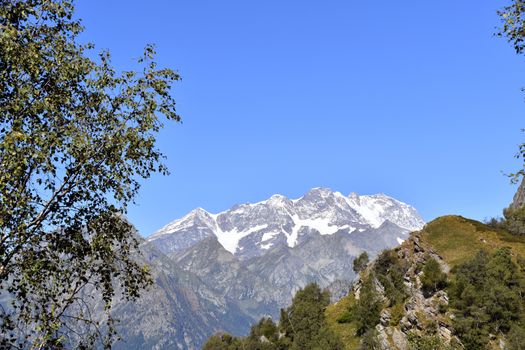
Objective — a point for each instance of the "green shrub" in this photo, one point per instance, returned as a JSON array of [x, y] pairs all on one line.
[[368, 307], [327, 340], [360, 262], [427, 342], [496, 223], [223, 341], [516, 338], [433, 278], [396, 314], [389, 271], [515, 220], [385, 261], [487, 294], [267, 328], [442, 308], [345, 317], [369, 340]]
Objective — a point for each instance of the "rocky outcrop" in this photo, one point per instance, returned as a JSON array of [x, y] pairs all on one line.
[[519, 198], [421, 315]]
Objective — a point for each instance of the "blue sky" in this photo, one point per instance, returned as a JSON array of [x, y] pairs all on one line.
[[414, 99]]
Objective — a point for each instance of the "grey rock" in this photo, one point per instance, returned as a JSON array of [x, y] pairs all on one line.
[[419, 312], [382, 337], [249, 230], [399, 339], [385, 317], [205, 282], [519, 197], [445, 333]]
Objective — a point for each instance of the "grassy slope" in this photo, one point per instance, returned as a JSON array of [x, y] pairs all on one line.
[[456, 239], [345, 330]]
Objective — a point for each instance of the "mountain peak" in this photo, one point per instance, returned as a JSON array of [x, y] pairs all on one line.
[[199, 212], [320, 191], [251, 230], [277, 199]]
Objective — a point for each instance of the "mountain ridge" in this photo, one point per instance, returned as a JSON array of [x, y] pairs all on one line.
[[456, 284], [432, 316], [250, 229], [249, 261]]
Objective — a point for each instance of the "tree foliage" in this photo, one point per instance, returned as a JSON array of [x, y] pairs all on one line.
[[360, 262], [514, 220], [223, 342], [513, 29], [303, 323], [370, 340], [301, 326], [389, 271], [367, 309], [513, 24], [433, 278], [516, 337], [428, 342], [306, 315], [265, 328], [75, 139], [487, 295]]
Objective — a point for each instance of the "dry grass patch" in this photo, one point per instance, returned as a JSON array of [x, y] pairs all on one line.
[[346, 331], [458, 239]]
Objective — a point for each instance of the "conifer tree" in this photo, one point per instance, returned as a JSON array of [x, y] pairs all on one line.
[[360, 262], [368, 308], [306, 315], [433, 278]]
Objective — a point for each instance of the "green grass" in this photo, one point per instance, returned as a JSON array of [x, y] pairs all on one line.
[[345, 330], [457, 239]]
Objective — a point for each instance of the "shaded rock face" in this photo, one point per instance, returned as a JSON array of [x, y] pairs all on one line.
[[263, 284], [223, 272], [519, 197], [177, 312]]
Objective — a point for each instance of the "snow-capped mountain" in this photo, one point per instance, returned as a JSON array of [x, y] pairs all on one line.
[[250, 230], [224, 271]]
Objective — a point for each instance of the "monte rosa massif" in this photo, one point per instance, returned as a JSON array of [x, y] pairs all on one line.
[[250, 230], [222, 272]]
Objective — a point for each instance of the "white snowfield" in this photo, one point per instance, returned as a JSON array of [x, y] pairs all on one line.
[[320, 210]]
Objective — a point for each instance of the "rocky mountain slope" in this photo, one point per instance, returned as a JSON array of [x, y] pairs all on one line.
[[439, 316], [177, 312], [224, 271]]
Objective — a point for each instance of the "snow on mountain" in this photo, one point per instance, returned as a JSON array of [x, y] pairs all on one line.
[[225, 271], [199, 216], [378, 208], [249, 230], [230, 239]]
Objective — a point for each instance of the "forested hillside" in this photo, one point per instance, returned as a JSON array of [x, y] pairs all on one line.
[[457, 284]]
